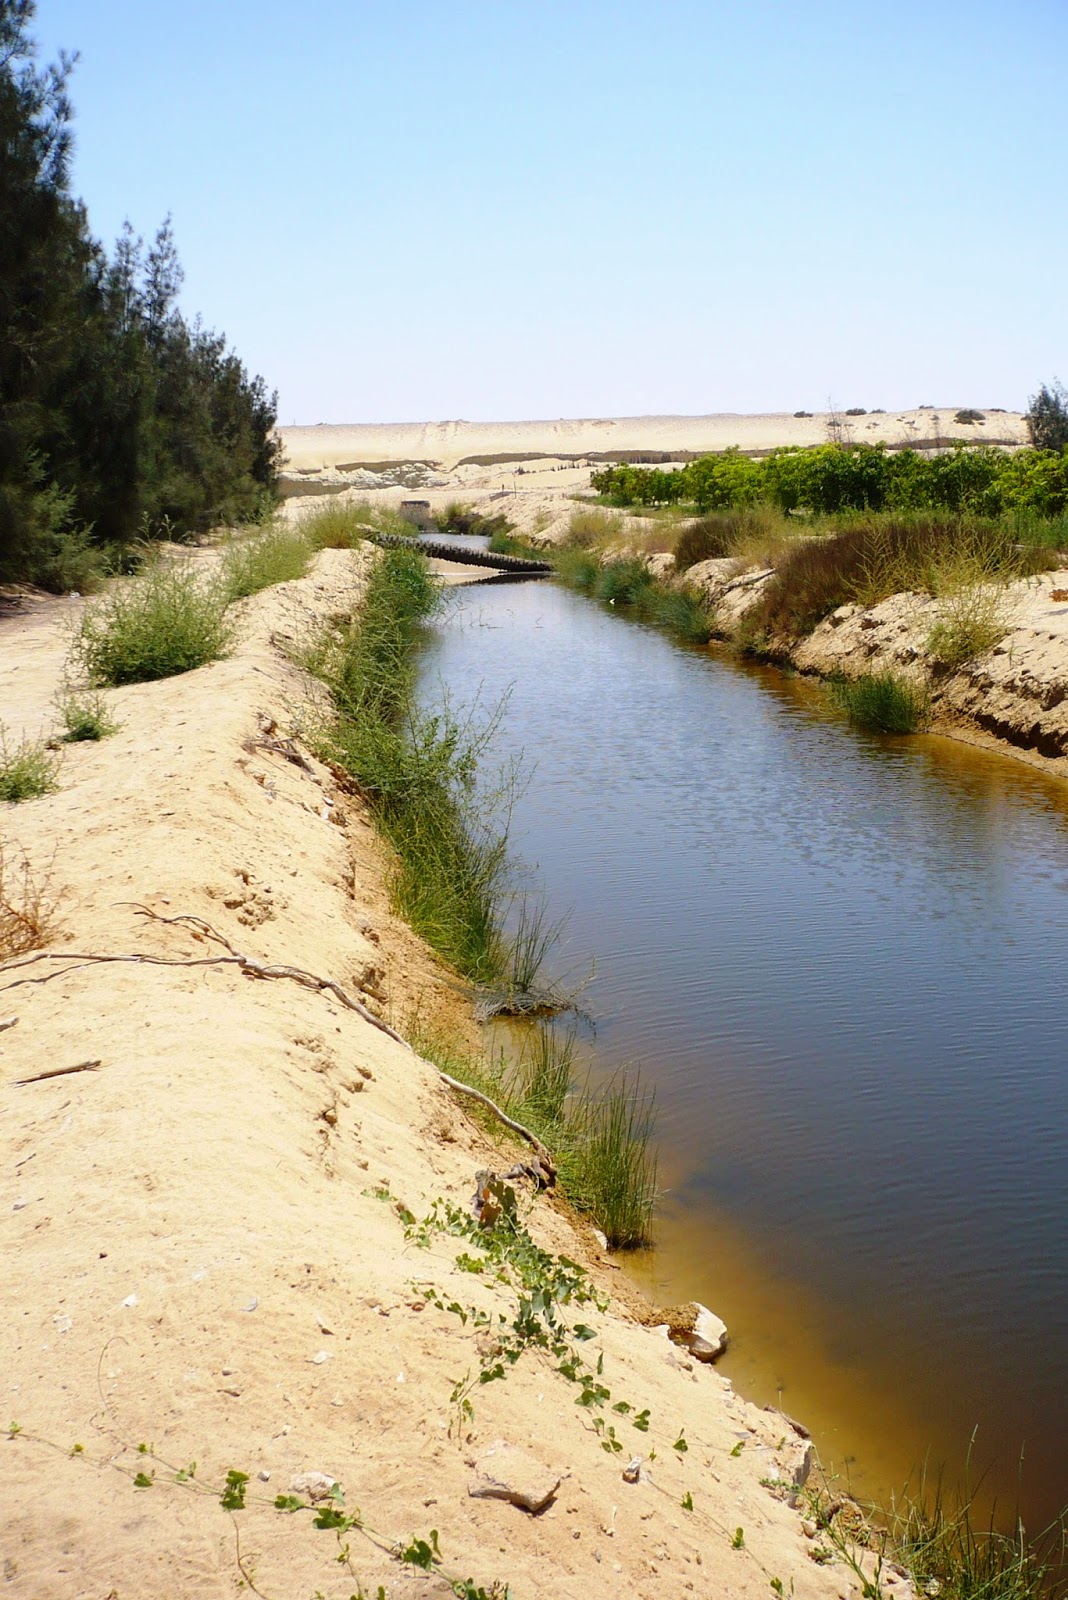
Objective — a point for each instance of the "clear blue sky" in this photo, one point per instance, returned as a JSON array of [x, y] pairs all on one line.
[[402, 210]]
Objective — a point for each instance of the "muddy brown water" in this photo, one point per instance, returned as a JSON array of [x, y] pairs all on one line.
[[841, 961]]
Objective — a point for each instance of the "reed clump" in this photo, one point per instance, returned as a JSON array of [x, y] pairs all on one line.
[[600, 1136], [951, 1553], [343, 524], [629, 583], [747, 533], [882, 702], [417, 770]]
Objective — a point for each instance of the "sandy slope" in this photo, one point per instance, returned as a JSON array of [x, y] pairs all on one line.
[[446, 444], [193, 1252]]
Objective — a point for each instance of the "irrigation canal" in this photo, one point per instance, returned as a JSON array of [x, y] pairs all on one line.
[[840, 960]]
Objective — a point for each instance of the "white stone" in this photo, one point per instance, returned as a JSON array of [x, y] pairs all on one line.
[[505, 1472]]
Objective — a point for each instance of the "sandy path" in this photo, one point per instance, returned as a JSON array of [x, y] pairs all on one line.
[[200, 1250]]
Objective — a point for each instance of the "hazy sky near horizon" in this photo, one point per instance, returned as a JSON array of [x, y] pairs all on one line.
[[497, 209]]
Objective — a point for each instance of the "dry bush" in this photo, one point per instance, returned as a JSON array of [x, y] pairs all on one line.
[[754, 534], [26, 906]]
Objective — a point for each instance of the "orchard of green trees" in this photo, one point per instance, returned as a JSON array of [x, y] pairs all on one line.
[[831, 478], [119, 418]]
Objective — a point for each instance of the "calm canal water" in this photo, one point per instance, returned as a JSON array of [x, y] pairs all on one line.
[[840, 960]]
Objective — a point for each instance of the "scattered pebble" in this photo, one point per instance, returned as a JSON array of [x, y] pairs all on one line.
[[312, 1486], [131, 1300]]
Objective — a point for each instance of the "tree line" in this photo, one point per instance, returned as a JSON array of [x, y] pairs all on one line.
[[837, 477], [119, 418]]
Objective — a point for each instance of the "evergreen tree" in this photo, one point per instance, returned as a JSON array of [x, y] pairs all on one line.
[[1047, 417], [115, 414]]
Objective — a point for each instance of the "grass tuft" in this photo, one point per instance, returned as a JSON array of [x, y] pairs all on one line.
[[882, 702], [871, 557], [26, 908], [417, 771], [949, 1554], [276, 555], [607, 1165], [27, 771], [171, 620], [85, 716], [601, 1137]]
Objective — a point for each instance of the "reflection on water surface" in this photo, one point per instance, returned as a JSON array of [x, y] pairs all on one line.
[[840, 960]]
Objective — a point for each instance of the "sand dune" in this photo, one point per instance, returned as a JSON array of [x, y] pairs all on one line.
[[447, 444]]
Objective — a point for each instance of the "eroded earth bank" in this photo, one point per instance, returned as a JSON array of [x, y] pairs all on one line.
[[208, 1252]]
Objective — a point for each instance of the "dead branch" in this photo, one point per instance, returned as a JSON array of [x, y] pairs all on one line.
[[543, 1155], [257, 969], [281, 747], [58, 1072]]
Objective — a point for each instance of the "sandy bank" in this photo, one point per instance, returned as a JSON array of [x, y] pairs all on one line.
[[202, 1250], [1013, 696]]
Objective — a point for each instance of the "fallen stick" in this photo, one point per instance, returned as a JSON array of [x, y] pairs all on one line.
[[58, 1072], [517, 1127], [256, 969]]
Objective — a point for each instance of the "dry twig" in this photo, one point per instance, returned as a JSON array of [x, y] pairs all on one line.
[[58, 1072], [256, 969]]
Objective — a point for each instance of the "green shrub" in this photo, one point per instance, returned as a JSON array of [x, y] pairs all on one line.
[[277, 555], [968, 415], [626, 583], [1047, 417], [85, 716], [882, 702], [171, 620], [64, 561], [26, 771], [590, 527]]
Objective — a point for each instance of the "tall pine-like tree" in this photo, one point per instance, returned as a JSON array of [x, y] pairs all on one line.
[[116, 416]]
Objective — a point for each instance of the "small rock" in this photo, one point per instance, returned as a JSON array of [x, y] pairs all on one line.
[[602, 1239], [319, 1357], [264, 1477], [130, 1301], [633, 1470], [708, 1329], [20, 1205], [313, 1486], [505, 1472], [63, 1324], [253, 1303]]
